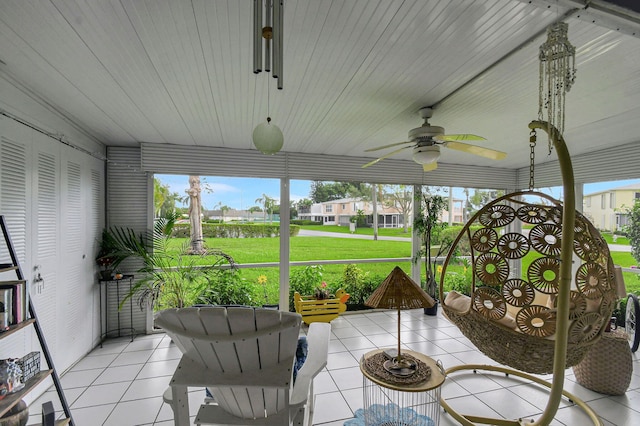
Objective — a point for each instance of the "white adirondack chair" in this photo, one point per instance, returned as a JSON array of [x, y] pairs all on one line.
[[245, 357]]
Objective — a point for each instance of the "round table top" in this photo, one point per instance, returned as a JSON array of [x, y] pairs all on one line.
[[436, 379]]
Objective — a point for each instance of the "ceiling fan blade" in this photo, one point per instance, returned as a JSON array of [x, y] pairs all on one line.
[[429, 166], [477, 150], [387, 146], [459, 137], [371, 163]]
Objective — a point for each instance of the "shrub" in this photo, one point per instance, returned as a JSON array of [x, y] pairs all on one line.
[[226, 287], [458, 282], [633, 229], [234, 230], [450, 233], [305, 222], [359, 285], [304, 280]]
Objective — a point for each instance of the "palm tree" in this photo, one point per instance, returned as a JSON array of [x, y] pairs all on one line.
[[268, 203]]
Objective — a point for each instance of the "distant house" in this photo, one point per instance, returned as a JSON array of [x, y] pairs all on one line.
[[234, 215], [339, 212], [606, 209]]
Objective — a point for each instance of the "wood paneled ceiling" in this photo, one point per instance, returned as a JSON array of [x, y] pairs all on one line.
[[355, 72]]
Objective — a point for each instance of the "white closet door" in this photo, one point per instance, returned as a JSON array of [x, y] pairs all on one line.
[[45, 242], [81, 185], [15, 195]]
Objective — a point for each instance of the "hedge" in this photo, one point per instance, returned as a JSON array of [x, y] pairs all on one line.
[[450, 233], [233, 230], [305, 222]]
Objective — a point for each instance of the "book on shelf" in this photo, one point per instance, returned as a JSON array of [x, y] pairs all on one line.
[[19, 299]]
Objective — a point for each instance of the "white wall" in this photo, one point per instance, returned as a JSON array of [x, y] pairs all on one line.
[[52, 196]]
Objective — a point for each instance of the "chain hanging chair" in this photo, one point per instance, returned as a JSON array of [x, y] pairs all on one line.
[[511, 313]]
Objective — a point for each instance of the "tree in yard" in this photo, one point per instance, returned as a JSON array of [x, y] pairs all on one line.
[[223, 209], [399, 197], [479, 199], [329, 191], [304, 205], [164, 201], [632, 229], [195, 215], [254, 209], [267, 203]]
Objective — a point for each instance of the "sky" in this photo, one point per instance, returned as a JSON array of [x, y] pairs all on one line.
[[242, 193], [237, 193]]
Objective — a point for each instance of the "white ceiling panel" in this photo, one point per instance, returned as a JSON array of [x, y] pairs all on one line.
[[355, 72]]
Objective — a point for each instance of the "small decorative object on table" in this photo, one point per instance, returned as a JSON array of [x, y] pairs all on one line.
[[105, 264], [10, 375], [322, 292], [30, 365]]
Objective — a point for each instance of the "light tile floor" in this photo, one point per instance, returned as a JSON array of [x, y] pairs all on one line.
[[121, 384]]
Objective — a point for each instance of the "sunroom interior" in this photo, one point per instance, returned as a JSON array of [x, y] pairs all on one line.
[[98, 96]]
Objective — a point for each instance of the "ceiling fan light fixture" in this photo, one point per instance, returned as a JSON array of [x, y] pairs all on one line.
[[426, 154], [268, 138]]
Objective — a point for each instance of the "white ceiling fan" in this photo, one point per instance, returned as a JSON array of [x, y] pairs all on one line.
[[426, 141]]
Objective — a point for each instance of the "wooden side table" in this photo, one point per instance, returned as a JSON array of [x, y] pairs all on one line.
[[416, 404], [607, 367]]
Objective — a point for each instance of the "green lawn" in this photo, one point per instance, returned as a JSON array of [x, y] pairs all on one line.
[[383, 232], [261, 250]]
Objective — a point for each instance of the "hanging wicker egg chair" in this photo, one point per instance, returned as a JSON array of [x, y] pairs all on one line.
[[511, 312]]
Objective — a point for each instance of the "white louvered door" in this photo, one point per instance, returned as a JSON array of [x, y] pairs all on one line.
[[52, 197], [15, 206], [44, 275], [77, 292]]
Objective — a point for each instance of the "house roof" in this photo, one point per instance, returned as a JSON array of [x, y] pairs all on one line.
[[630, 187]]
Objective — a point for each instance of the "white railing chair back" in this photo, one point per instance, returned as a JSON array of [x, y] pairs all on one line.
[[245, 357]]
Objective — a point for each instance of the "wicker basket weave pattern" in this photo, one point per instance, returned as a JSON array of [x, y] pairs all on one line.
[[499, 236], [607, 368]]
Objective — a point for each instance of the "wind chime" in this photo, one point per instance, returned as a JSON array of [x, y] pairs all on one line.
[[557, 74], [268, 17]]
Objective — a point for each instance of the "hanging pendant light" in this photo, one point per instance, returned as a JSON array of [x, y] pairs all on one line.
[[267, 137]]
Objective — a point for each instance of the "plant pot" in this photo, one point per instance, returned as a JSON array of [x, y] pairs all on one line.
[[432, 311], [106, 275]]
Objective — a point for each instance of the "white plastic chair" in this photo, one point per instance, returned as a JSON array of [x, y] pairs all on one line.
[[245, 357]]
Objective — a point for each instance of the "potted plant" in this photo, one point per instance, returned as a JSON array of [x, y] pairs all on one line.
[[171, 278], [110, 254], [428, 225]]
